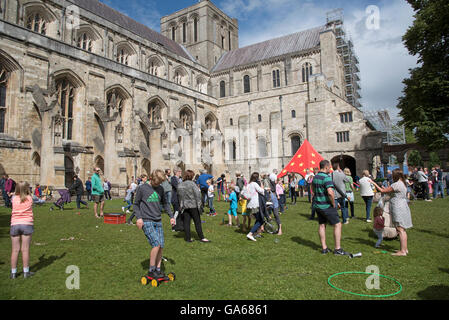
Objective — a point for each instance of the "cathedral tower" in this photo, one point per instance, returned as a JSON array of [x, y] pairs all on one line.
[[206, 31]]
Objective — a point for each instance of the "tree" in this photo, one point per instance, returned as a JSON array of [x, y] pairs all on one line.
[[434, 159], [425, 102], [414, 159]]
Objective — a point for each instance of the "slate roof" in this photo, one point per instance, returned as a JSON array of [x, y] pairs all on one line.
[[295, 42], [100, 9]]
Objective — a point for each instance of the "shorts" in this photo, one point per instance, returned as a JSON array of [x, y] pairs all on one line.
[[21, 229], [97, 198], [329, 215], [251, 211], [154, 233], [242, 206], [233, 211]]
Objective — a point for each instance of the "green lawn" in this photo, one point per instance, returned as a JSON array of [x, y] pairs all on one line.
[[112, 258]]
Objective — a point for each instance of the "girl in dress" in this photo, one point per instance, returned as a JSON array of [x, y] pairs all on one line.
[[400, 210]]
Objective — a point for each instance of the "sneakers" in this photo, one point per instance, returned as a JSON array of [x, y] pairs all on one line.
[[127, 211], [13, 276], [123, 209], [347, 222], [250, 237], [340, 252], [325, 251], [28, 274], [369, 220]]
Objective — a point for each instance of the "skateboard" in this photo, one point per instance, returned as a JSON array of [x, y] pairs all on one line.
[[155, 282]]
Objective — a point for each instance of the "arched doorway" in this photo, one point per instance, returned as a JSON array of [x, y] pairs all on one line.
[[146, 167], [69, 171], [346, 162]]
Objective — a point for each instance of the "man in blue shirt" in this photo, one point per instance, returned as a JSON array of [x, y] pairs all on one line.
[[202, 182]]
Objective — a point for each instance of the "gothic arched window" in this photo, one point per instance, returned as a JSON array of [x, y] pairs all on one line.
[[122, 56], [154, 112], [246, 84], [296, 143], [84, 42], [66, 98], [36, 23], [306, 72], [3, 87]]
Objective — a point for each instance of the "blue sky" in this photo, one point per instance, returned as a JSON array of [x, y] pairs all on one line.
[[384, 61]]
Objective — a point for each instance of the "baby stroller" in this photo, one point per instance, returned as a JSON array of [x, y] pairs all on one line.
[[269, 225], [65, 198]]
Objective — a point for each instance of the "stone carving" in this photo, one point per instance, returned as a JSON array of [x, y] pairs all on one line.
[[101, 110], [45, 100]]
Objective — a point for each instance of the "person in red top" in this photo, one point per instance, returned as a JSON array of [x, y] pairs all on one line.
[[379, 225], [22, 227]]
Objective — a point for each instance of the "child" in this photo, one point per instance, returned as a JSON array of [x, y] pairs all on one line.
[[22, 228], [129, 193], [233, 207], [148, 209], [210, 198], [243, 201], [379, 225], [275, 210]]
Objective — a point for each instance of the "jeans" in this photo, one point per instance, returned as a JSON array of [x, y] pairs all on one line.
[[7, 199], [368, 203], [259, 222], [344, 210], [203, 196], [282, 202], [379, 234], [309, 196], [438, 189], [89, 195], [129, 204], [211, 204], [78, 201], [168, 196], [107, 194], [293, 194]]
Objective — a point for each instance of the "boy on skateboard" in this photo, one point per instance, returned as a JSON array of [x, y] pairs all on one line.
[[147, 208]]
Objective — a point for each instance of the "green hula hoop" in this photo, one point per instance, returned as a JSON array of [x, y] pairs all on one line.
[[365, 295]]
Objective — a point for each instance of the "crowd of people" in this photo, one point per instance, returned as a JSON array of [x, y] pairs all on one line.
[[185, 197]]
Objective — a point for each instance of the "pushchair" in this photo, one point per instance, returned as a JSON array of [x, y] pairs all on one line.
[[65, 198]]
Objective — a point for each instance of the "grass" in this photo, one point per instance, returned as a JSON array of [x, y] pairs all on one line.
[[112, 258]]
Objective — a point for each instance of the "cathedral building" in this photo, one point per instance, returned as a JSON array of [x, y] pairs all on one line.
[[83, 85]]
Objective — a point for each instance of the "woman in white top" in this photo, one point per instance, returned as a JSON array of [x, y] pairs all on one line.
[[400, 211], [254, 189], [367, 193]]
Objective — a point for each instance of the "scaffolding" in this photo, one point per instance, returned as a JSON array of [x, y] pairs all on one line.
[[345, 48], [381, 121]]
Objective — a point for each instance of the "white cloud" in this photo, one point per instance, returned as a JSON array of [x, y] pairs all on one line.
[[384, 61]]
